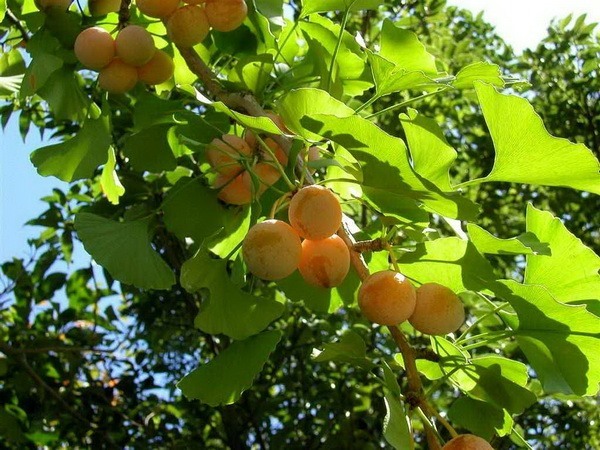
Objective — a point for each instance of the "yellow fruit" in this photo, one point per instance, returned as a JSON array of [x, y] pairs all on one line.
[[226, 15], [467, 442], [42, 5], [135, 45], [188, 26], [266, 174], [158, 70], [439, 311], [117, 77], [160, 9], [95, 48], [272, 250], [103, 7], [194, 2], [224, 154], [324, 263], [276, 150], [315, 212], [387, 298]]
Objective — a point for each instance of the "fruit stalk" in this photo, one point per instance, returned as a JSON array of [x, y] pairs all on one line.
[[124, 14]]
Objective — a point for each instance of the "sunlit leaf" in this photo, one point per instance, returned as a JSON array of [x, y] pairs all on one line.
[[109, 180], [525, 244]]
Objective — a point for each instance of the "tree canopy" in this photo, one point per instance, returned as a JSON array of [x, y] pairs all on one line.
[[455, 162]]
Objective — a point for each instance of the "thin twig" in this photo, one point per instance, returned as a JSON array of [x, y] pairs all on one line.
[[18, 25], [124, 14], [41, 383]]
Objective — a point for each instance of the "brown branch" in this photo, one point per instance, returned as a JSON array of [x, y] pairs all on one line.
[[26, 351], [124, 14], [372, 245], [18, 25]]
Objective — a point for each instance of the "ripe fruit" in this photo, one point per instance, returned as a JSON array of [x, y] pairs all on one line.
[[42, 5], [276, 150], [135, 45], [226, 15], [223, 154], [158, 70], [157, 8], [325, 263], [103, 7], [117, 77], [439, 311], [234, 191], [467, 442], [188, 26], [387, 298], [315, 212], [272, 250], [95, 48]]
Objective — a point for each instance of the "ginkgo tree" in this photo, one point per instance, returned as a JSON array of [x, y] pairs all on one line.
[[212, 136]]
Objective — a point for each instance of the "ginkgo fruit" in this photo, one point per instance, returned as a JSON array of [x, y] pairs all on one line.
[[467, 442], [188, 26], [235, 190], [160, 9], [272, 250], [158, 70], [226, 15], [438, 311], [224, 153], [324, 263], [387, 298], [95, 48], [315, 212], [103, 7], [135, 45], [42, 5], [118, 77], [274, 149]]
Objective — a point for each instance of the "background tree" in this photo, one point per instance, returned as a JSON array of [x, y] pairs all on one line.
[[92, 357]]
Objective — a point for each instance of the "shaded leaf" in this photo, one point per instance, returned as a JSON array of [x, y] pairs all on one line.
[[226, 309], [222, 380], [125, 250], [525, 244], [350, 349], [78, 157]]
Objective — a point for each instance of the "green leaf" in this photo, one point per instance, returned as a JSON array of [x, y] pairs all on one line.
[[390, 78], [150, 150], [389, 180], [10, 428], [191, 210], [43, 48], [315, 6], [306, 102], [524, 244], [78, 157], [226, 309], [396, 430], [526, 152], [319, 299], [570, 271], [222, 380], [2, 9], [480, 418], [431, 154], [403, 48], [350, 349], [3, 365], [109, 180], [253, 71], [479, 71], [125, 250], [65, 96], [560, 341], [452, 262]]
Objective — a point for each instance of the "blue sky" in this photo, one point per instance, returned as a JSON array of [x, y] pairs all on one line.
[[521, 23]]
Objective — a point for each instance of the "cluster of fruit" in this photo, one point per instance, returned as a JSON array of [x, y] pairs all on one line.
[[389, 298], [190, 24], [273, 249], [123, 61], [231, 155]]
